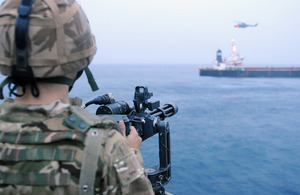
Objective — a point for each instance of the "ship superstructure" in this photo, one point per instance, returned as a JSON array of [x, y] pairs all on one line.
[[233, 61], [232, 66]]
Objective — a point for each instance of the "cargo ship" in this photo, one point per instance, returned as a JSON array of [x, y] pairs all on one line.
[[232, 66]]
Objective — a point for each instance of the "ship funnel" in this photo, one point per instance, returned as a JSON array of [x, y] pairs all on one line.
[[219, 56]]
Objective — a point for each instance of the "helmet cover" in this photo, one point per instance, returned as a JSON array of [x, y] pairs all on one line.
[[59, 42]]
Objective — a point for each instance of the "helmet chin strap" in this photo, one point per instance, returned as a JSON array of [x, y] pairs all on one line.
[[33, 86], [34, 89]]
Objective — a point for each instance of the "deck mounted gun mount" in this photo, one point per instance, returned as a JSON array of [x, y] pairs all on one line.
[[147, 124]]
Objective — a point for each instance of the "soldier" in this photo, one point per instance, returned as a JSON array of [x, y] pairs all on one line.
[[48, 144]]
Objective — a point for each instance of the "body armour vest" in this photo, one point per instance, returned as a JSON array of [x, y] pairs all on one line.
[[44, 160]]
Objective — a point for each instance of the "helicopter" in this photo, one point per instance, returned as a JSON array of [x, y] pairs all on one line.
[[244, 25]]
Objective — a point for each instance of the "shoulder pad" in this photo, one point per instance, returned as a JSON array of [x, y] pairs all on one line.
[[84, 120]]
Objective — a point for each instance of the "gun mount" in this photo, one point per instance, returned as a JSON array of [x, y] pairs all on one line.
[[147, 124]]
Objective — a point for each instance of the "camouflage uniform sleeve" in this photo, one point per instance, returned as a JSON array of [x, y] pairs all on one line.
[[139, 156], [124, 171]]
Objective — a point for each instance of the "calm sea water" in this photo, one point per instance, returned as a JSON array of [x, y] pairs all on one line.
[[230, 135]]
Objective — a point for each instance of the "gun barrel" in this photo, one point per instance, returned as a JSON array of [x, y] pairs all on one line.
[[167, 110]]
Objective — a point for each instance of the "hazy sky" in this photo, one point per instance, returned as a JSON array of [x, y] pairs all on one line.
[[191, 31]]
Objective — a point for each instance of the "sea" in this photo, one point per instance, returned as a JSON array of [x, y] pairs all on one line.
[[230, 135]]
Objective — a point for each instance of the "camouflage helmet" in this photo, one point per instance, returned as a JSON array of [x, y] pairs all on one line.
[[59, 38]]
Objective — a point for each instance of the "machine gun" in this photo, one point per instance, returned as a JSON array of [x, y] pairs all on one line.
[[147, 124]]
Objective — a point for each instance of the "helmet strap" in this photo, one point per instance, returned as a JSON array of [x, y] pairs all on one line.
[[33, 86], [91, 79], [21, 69], [13, 85], [22, 73], [5, 82]]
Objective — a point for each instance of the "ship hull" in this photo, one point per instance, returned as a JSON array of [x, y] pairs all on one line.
[[252, 72]]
